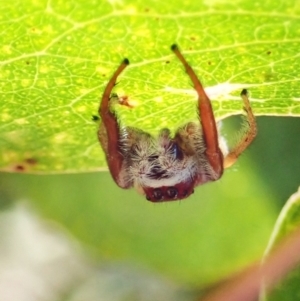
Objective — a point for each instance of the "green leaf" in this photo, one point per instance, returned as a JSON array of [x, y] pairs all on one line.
[[57, 56], [287, 222]]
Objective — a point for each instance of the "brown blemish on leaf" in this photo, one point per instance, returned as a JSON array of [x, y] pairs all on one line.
[[123, 100], [19, 168], [25, 165], [31, 161]]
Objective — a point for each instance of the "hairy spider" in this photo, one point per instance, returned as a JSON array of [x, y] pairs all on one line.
[[168, 168]]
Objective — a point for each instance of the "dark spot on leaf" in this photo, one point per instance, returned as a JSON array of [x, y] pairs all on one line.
[[193, 38], [209, 62], [167, 62], [27, 62], [31, 161], [147, 10], [95, 117], [269, 76], [19, 167], [269, 52]]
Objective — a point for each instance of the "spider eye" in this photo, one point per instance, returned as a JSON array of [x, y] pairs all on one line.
[[172, 192], [185, 193], [177, 152], [157, 194]]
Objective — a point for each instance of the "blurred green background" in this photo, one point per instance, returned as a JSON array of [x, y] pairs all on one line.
[[224, 226]]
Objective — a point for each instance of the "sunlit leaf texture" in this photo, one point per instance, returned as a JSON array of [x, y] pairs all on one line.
[[57, 56]]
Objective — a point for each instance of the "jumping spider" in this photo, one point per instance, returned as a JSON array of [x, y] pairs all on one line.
[[168, 168]]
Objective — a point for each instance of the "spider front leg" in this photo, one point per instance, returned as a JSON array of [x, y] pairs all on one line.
[[207, 120], [109, 133], [247, 138]]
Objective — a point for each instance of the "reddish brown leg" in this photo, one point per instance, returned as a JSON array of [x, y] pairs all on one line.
[[247, 138], [109, 133], [207, 119]]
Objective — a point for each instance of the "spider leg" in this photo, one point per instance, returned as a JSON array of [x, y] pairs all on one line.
[[207, 120], [109, 132], [248, 136]]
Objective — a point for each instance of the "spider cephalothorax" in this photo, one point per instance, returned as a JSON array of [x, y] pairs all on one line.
[[168, 168]]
